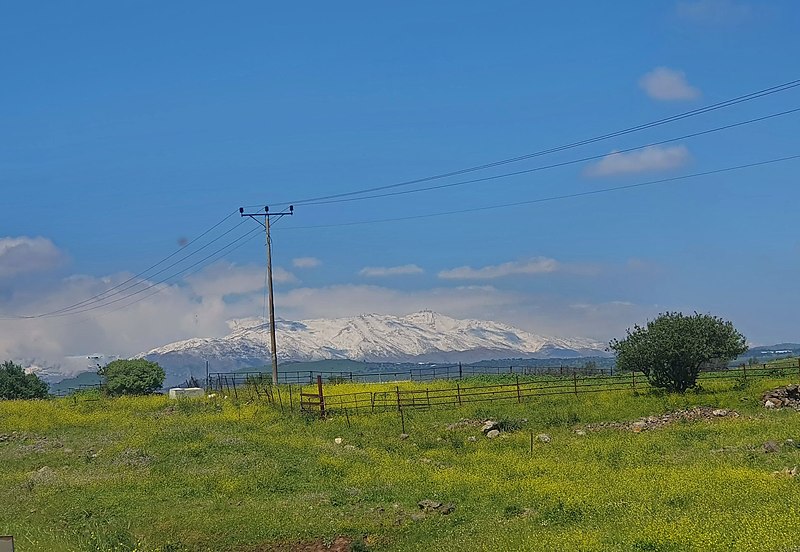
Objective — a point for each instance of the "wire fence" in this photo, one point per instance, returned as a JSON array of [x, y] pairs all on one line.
[[222, 380], [303, 390], [521, 389]]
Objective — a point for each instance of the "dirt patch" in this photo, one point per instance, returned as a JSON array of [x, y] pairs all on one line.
[[656, 422], [339, 544]]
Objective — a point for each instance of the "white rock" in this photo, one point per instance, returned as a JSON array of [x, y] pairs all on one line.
[[492, 434], [543, 438], [338, 440], [489, 425], [719, 412]]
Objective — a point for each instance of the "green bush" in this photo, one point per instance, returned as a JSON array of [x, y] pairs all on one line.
[[16, 384], [672, 349], [132, 377]]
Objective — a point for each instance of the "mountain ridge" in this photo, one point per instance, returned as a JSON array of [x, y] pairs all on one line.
[[423, 336]]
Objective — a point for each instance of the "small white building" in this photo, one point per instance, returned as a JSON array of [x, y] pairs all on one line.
[[186, 392]]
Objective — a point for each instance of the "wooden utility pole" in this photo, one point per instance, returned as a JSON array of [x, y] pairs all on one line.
[[266, 224]]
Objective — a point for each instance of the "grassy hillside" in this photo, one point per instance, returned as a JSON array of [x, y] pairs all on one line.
[[148, 474]]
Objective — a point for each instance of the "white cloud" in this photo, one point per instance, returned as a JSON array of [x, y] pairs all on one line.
[[197, 307], [352, 300], [649, 159], [384, 271], [538, 265], [22, 255], [714, 12], [222, 278], [306, 262], [665, 84]]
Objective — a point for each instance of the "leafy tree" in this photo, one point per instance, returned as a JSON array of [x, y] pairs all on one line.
[[672, 349], [16, 384], [132, 377]]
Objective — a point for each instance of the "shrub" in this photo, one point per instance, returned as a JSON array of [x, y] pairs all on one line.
[[672, 349], [16, 384], [132, 377]]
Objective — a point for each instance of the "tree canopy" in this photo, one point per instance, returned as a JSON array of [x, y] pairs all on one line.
[[132, 377], [16, 384], [672, 349]]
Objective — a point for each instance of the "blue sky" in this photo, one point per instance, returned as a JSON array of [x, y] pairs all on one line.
[[128, 126]]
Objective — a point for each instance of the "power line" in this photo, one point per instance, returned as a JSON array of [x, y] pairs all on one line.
[[699, 111], [103, 295], [128, 296], [554, 198], [67, 310], [555, 165], [195, 271]]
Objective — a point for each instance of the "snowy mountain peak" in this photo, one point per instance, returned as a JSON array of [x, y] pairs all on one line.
[[424, 336]]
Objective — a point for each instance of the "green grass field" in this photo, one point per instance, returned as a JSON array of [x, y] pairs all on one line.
[[150, 474]]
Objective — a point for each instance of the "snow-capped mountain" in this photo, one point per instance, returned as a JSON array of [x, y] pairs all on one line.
[[419, 337]]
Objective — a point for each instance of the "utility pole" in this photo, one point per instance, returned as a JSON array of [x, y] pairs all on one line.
[[266, 224]]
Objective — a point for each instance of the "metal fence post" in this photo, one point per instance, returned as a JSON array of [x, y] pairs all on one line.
[[460, 373], [519, 395]]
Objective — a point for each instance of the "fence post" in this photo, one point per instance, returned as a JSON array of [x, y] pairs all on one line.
[[561, 370], [519, 395], [372, 401], [291, 402], [428, 397], [458, 392], [397, 391], [321, 397], [575, 382], [460, 372]]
